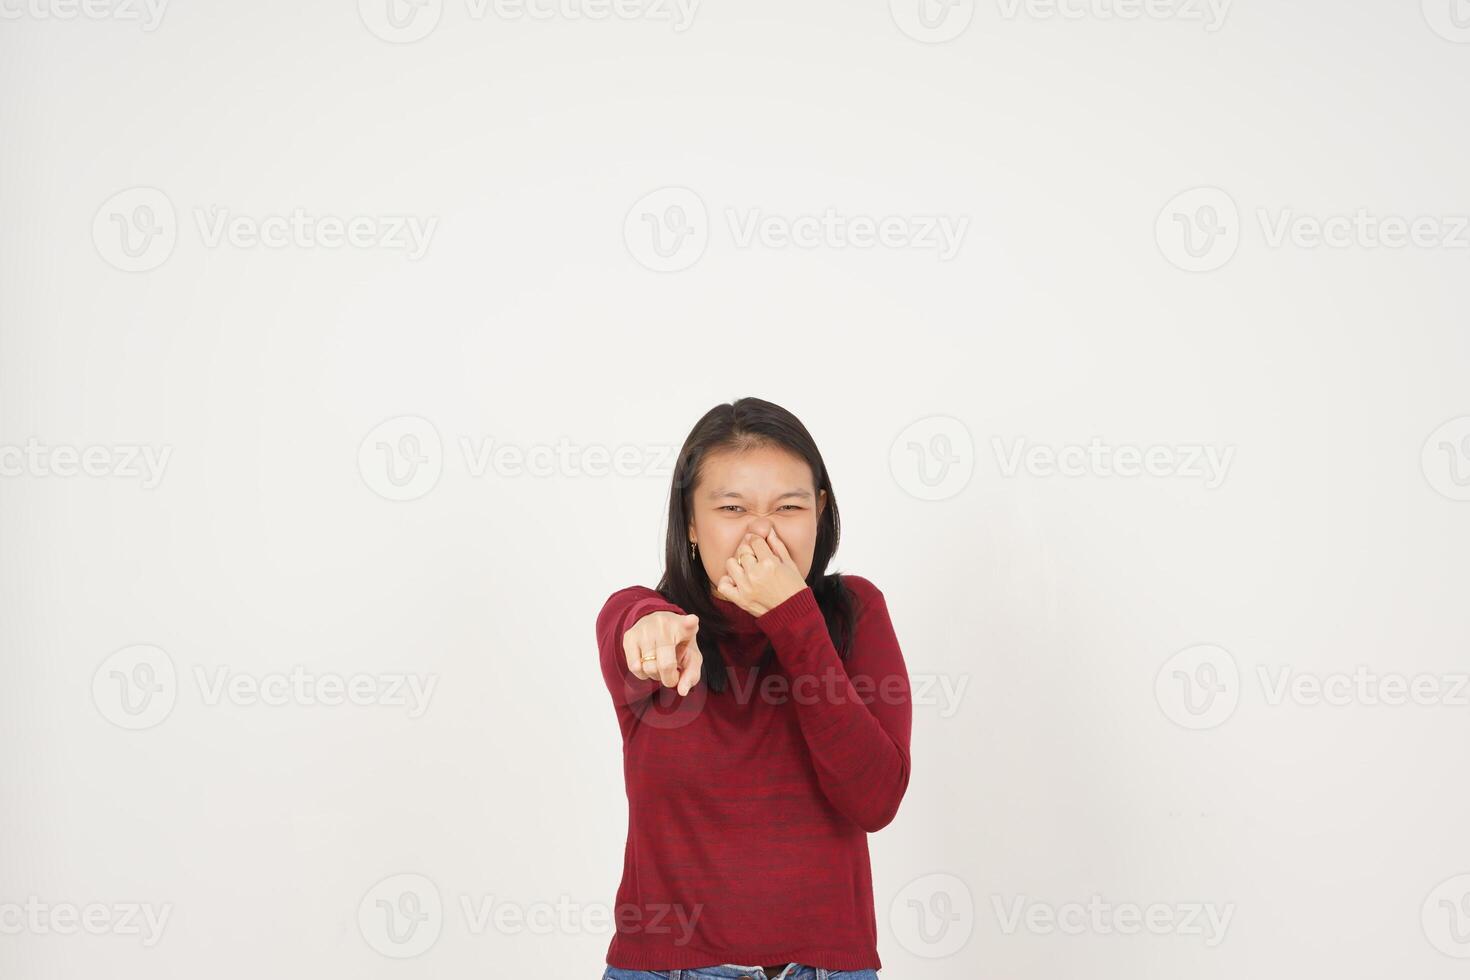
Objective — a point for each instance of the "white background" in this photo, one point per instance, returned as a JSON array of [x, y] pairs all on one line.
[[1071, 611]]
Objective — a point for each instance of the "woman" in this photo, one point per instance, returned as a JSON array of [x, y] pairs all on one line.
[[765, 713]]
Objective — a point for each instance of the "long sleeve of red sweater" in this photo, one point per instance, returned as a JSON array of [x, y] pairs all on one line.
[[622, 609], [856, 719]]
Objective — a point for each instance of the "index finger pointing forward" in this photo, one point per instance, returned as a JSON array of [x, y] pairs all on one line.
[[668, 664], [693, 667]]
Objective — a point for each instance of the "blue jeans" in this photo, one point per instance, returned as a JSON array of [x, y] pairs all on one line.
[[734, 971]]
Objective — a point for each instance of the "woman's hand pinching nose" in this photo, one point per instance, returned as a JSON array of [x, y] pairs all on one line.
[[761, 575]]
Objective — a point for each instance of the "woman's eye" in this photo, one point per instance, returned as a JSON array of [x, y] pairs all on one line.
[[734, 507]]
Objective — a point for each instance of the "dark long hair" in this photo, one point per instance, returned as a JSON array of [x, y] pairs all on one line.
[[748, 423]]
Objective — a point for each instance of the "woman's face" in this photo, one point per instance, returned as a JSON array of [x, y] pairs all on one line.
[[754, 490]]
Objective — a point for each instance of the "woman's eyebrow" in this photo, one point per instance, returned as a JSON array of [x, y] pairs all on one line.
[[719, 494]]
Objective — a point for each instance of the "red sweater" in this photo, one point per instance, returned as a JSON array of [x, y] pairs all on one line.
[[749, 810]]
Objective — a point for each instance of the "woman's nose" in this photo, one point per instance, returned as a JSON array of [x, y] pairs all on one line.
[[759, 525]]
